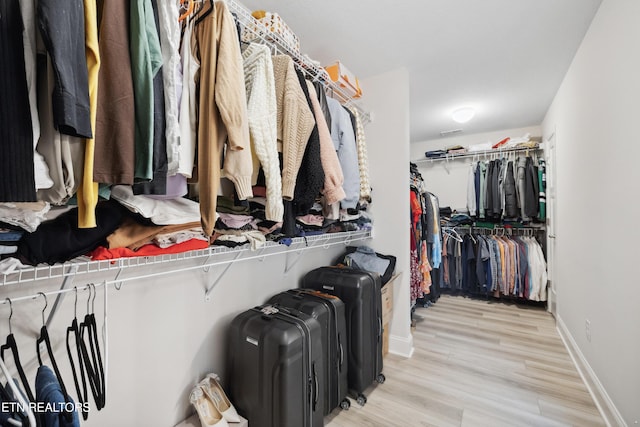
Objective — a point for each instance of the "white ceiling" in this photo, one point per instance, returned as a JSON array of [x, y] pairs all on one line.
[[506, 58]]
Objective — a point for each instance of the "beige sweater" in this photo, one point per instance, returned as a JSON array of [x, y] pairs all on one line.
[[295, 121], [222, 111], [333, 177]]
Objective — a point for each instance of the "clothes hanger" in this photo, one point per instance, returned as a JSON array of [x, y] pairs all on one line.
[[188, 10], [44, 338], [11, 344], [18, 395], [74, 331], [93, 364], [204, 14], [451, 232]]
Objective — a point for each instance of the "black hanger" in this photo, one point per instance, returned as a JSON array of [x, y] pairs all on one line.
[[202, 15], [93, 364], [11, 344], [74, 331], [44, 337]]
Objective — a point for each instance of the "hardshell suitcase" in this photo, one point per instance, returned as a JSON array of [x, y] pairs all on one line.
[[360, 292], [329, 311], [274, 362]]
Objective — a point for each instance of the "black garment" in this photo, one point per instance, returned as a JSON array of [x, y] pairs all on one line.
[[497, 188], [476, 182], [70, 241], [428, 220], [488, 182], [62, 28], [17, 182], [531, 189], [310, 178], [158, 185], [436, 279], [481, 274], [469, 256], [354, 122], [322, 98], [511, 200]]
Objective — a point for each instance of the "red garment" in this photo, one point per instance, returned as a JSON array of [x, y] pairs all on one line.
[[102, 253], [416, 207]]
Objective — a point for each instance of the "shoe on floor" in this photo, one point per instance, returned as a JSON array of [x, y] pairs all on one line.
[[207, 411], [216, 394]]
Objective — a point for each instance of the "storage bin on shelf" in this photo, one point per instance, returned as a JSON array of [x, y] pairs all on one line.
[[273, 23], [345, 79]]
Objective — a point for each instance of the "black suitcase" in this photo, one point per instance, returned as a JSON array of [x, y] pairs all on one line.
[[329, 311], [274, 362], [360, 292]]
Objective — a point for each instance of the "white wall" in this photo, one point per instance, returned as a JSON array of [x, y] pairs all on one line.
[[387, 96], [163, 335], [448, 179], [595, 116]]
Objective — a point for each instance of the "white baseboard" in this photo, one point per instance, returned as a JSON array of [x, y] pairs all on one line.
[[605, 405], [401, 346]]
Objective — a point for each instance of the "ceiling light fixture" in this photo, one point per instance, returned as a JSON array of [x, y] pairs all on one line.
[[463, 115]]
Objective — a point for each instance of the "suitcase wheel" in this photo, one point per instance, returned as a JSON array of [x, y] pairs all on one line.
[[381, 379], [345, 404], [362, 399]]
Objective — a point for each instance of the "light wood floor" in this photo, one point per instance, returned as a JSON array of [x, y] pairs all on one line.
[[478, 363]]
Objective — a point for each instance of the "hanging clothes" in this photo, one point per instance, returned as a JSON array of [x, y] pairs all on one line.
[[62, 28], [222, 109], [294, 121], [500, 266], [344, 141], [542, 187], [115, 121], [157, 184], [146, 61], [363, 160], [87, 194], [17, 179], [261, 113]]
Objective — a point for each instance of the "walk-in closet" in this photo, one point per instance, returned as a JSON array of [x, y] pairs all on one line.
[[284, 214]]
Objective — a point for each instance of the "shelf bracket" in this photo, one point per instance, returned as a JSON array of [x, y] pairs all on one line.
[[68, 280], [289, 266], [207, 294], [116, 284]]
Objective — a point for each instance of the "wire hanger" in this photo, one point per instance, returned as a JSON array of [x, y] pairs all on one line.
[[74, 331], [44, 337], [12, 345]]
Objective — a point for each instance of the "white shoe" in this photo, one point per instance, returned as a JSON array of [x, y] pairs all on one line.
[[207, 411], [216, 394]]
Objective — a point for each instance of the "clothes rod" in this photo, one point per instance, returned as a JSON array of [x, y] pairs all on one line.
[[478, 154]]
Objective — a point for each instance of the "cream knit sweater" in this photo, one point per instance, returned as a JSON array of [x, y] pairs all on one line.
[[333, 177], [262, 113], [363, 160], [295, 121]]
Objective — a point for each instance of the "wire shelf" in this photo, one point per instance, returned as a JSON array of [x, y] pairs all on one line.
[[214, 255], [479, 154], [305, 64]]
